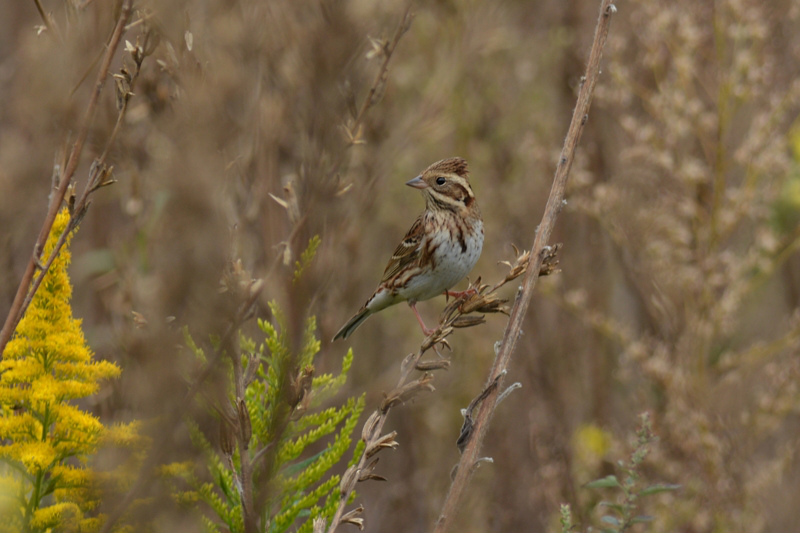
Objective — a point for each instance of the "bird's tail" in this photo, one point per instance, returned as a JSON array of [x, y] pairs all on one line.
[[353, 323]]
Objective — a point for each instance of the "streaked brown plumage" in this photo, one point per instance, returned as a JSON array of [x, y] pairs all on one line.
[[439, 250]]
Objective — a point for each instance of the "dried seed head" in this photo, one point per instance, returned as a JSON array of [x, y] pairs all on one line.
[[301, 386], [366, 472], [352, 518], [386, 441], [123, 82], [425, 366], [244, 421], [150, 41], [226, 439], [348, 481], [407, 391], [139, 321], [319, 525], [468, 321], [368, 432], [438, 337], [253, 363], [550, 260]]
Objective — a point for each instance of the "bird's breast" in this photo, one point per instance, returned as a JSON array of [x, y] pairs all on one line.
[[453, 250]]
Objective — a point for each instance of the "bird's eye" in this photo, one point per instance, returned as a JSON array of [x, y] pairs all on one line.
[[440, 180]]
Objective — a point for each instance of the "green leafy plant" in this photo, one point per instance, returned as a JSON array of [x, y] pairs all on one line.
[[306, 257], [45, 440], [266, 472], [622, 514]]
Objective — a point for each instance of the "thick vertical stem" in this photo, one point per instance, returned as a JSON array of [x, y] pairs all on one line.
[[555, 201]]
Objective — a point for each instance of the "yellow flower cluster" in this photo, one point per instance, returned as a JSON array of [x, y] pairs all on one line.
[[44, 366]]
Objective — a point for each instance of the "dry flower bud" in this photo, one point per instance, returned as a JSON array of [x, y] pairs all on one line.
[[348, 481], [387, 441], [351, 518], [253, 362], [370, 425], [407, 391], [139, 321], [378, 47], [226, 440], [468, 321], [151, 41], [366, 472], [244, 420], [123, 82], [440, 364], [319, 525], [301, 385], [437, 338]]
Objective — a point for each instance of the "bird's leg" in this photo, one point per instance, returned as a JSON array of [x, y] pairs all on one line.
[[428, 332], [459, 294]]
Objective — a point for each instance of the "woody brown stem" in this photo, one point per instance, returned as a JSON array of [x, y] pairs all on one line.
[[469, 457], [23, 294]]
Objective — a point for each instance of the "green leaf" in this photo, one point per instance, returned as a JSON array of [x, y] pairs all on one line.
[[306, 257], [660, 487], [641, 519], [604, 483], [300, 466], [608, 519], [614, 506]]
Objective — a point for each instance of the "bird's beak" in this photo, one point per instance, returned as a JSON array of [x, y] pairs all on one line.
[[417, 183]]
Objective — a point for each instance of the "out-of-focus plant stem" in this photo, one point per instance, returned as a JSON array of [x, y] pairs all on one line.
[[24, 291]]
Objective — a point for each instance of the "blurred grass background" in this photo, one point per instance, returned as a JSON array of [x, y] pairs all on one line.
[[681, 276]]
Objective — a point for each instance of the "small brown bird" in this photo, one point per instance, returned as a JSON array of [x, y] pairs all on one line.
[[438, 251]]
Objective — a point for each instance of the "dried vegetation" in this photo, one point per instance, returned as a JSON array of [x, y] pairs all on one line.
[[253, 126]]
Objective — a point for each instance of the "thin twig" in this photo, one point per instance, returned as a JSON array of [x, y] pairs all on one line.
[[48, 21], [470, 455], [18, 305], [380, 77], [354, 130], [372, 435]]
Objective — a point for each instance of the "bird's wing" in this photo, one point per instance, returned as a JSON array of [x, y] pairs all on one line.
[[408, 251]]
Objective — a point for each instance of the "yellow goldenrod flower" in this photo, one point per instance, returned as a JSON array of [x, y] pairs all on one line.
[[45, 366]]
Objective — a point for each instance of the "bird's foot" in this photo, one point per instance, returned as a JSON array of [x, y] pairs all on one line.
[[461, 294]]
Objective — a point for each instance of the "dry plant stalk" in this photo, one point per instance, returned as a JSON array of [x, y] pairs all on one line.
[[354, 130], [478, 298], [469, 458], [99, 176]]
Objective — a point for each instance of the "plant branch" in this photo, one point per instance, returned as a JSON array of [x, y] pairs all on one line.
[[478, 298], [469, 458], [48, 21], [24, 295], [386, 49]]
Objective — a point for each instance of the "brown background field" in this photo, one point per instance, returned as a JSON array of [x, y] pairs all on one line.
[[681, 278]]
